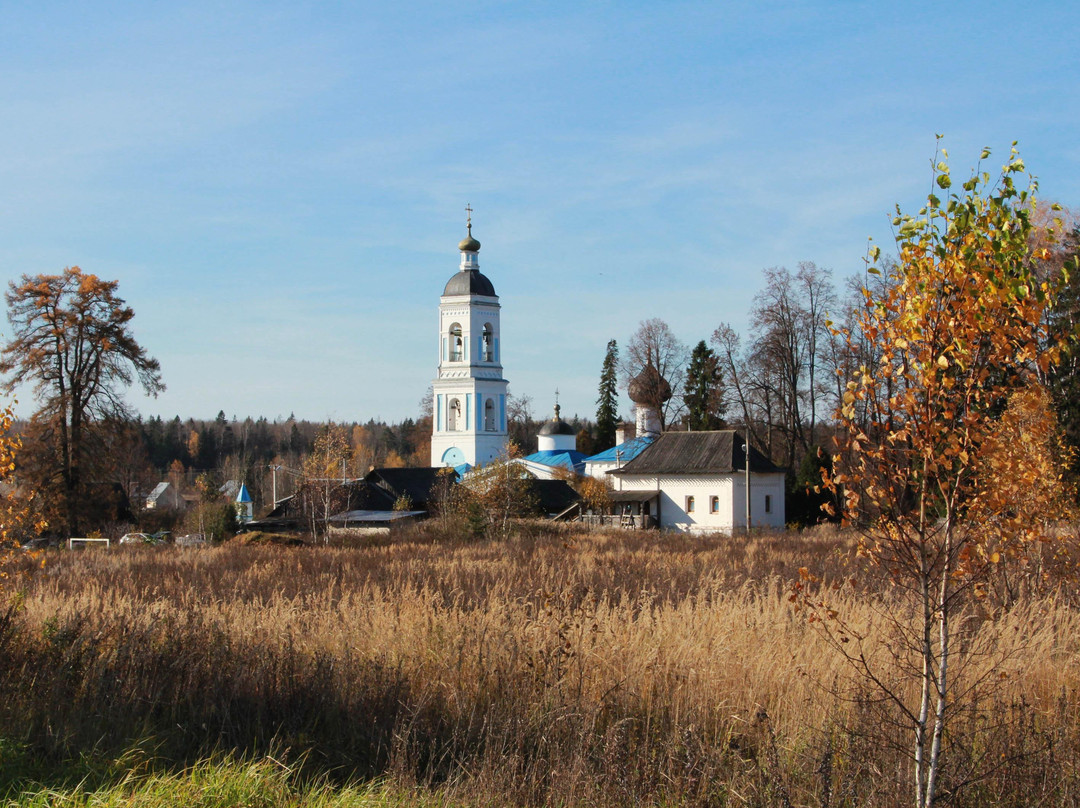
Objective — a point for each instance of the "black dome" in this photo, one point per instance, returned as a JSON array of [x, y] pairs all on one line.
[[559, 427], [469, 282]]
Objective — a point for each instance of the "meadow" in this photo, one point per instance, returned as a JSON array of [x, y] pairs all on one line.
[[556, 667]]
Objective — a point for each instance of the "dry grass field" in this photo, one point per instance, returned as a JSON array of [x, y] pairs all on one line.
[[553, 668]]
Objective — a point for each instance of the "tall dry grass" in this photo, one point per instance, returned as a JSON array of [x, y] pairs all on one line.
[[553, 668]]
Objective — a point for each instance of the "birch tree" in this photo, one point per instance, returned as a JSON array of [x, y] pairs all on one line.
[[959, 327]]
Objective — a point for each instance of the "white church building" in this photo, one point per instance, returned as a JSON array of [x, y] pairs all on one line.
[[469, 392], [685, 481]]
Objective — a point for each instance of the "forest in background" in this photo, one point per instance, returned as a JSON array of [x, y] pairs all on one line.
[[138, 454]]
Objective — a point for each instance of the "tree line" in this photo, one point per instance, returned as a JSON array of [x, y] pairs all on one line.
[[783, 379]]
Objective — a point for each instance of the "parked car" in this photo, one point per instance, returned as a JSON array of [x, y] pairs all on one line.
[[42, 543], [140, 538], [191, 540]]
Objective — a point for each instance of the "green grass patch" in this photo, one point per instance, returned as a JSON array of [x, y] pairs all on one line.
[[134, 780]]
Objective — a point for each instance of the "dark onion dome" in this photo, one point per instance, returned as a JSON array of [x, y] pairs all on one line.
[[649, 387], [469, 282], [557, 426]]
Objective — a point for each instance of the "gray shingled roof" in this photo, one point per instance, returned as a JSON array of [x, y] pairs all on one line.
[[718, 452]]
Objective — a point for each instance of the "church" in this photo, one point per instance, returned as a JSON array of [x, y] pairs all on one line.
[[685, 481], [469, 391]]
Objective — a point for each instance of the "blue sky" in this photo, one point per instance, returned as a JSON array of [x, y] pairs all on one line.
[[279, 188]]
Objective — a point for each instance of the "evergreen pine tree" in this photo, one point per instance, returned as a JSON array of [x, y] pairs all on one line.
[[704, 390], [607, 410]]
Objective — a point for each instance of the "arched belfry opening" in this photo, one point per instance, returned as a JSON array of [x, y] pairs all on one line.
[[457, 343], [453, 415]]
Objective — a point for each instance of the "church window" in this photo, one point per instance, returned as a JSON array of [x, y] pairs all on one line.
[[768, 503], [714, 504], [689, 504], [456, 343], [453, 415], [489, 415], [486, 344]]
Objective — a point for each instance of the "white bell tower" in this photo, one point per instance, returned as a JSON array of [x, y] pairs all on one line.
[[469, 406]]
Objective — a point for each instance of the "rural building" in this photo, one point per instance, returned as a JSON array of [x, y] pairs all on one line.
[[165, 496], [416, 485], [696, 482]]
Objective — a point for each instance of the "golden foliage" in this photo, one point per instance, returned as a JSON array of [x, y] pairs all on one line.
[[595, 495], [958, 325], [18, 519]]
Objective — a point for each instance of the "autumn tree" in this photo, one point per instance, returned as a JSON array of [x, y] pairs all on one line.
[[520, 426], [421, 455], [1064, 320], [704, 390], [213, 517], [782, 377], [322, 484], [72, 340], [1021, 496], [502, 491], [655, 344], [595, 494], [20, 517], [607, 403], [959, 327]]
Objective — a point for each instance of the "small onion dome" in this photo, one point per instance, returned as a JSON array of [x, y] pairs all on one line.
[[649, 387], [469, 244], [557, 426], [469, 282]]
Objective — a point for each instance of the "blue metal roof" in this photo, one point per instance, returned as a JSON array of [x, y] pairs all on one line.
[[463, 469], [243, 495], [569, 459], [627, 450]]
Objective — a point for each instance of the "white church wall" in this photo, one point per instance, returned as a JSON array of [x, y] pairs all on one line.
[[718, 505]]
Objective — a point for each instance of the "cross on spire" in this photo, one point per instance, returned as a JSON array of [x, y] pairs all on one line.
[[468, 217]]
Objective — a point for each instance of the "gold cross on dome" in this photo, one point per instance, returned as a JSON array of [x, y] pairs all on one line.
[[468, 216]]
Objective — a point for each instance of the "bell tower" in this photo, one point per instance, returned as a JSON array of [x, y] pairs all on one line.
[[469, 391]]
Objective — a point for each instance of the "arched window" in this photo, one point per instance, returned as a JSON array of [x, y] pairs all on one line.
[[714, 504], [456, 343], [453, 415], [689, 504], [489, 415], [487, 344]]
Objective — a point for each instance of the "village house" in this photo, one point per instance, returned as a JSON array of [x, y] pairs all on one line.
[[696, 482]]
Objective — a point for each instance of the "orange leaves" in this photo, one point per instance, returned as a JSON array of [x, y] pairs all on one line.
[[956, 327]]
